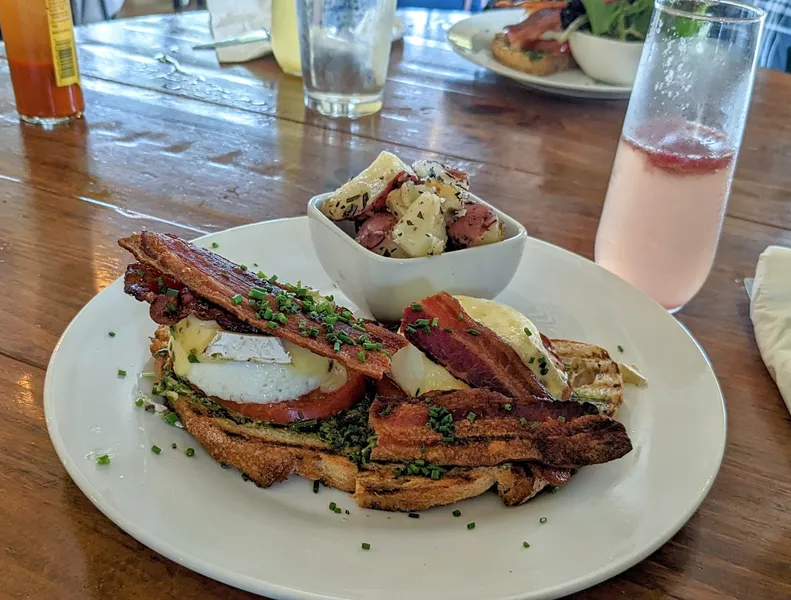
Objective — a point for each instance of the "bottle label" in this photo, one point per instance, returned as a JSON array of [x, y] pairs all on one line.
[[61, 39]]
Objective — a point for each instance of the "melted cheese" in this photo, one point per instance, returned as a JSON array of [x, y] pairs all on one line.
[[509, 325], [248, 368], [416, 374]]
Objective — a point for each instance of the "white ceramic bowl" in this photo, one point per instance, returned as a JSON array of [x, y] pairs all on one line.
[[605, 59], [384, 286]]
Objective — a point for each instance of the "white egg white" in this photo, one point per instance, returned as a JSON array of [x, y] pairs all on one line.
[[248, 368]]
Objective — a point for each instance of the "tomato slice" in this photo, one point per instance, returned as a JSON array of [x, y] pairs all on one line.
[[315, 405]]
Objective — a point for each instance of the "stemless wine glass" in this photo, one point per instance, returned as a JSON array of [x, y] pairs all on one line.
[[674, 165], [345, 48]]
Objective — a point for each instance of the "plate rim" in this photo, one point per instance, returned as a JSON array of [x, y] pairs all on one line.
[[259, 586], [597, 91]]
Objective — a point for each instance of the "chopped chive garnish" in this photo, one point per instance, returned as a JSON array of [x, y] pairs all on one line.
[[361, 356], [542, 520], [460, 316], [257, 293], [243, 267], [417, 306], [316, 487], [525, 545], [336, 346], [534, 425], [121, 373], [272, 279], [161, 283], [313, 332], [358, 327], [528, 332], [237, 299], [410, 329], [215, 245], [171, 307], [620, 348], [523, 420], [173, 445], [139, 402], [171, 418], [190, 452], [421, 322], [386, 411], [171, 292], [413, 516], [561, 419], [140, 271], [272, 325], [507, 407], [532, 360], [156, 449], [448, 438], [268, 312], [192, 358], [471, 416], [456, 513], [473, 332], [245, 477], [471, 525], [103, 460], [435, 322], [447, 330], [303, 324], [332, 506], [261, 274], [338, 510], [111, 333], [366, 546]]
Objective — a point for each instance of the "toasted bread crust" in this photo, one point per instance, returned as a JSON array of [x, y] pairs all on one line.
[[375, 486], [521, 61]]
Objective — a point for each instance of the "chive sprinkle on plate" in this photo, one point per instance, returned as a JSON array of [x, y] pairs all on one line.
[[366, 546]]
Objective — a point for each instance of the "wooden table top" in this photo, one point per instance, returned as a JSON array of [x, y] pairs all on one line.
[[205, 147]]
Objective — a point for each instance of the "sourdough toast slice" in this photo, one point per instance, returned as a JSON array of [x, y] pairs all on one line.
[[270, 454], [372, 485], [532, 62]]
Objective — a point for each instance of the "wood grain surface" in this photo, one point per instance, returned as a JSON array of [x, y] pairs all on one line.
[[202, 147]]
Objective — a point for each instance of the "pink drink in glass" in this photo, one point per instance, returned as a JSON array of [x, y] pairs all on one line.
[[664, 208]]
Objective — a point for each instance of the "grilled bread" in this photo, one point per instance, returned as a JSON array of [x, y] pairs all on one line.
[[533, 62], [268, 455]]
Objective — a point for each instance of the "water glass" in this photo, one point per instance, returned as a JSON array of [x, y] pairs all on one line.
[[345, 50], [674, 165]]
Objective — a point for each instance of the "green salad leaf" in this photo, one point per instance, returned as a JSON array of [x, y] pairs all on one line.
[[619, 19]]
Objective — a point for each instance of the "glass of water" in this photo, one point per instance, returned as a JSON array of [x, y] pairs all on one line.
[[345, 49]]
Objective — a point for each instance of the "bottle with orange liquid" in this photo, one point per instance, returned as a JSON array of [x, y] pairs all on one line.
[[39, 40]]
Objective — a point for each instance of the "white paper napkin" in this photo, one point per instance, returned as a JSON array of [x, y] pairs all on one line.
[[230, 18], [770, 310]]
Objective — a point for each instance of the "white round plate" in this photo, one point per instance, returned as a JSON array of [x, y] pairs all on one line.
[[472, 39], [283, 542]]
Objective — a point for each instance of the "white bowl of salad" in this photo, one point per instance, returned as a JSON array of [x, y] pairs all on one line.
[[606, 36]]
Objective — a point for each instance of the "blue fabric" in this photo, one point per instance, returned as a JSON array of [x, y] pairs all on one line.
[[776, 45]]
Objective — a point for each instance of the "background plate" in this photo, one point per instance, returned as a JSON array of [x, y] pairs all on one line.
[[284, 542], [471, 39]]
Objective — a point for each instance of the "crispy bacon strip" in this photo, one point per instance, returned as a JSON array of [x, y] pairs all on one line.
[[217, 281], [526, 34], [472, 352], [556, 434], [142, 283]]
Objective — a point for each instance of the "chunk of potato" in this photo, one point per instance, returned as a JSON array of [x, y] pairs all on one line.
[[421, 230], [367, 193], [451, 185], [478, 226]]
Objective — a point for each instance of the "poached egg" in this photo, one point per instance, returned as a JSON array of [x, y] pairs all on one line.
[[415, 373], [248, 368]]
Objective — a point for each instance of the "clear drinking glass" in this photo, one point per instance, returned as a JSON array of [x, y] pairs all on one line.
[[345, 49], [674, 166]]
